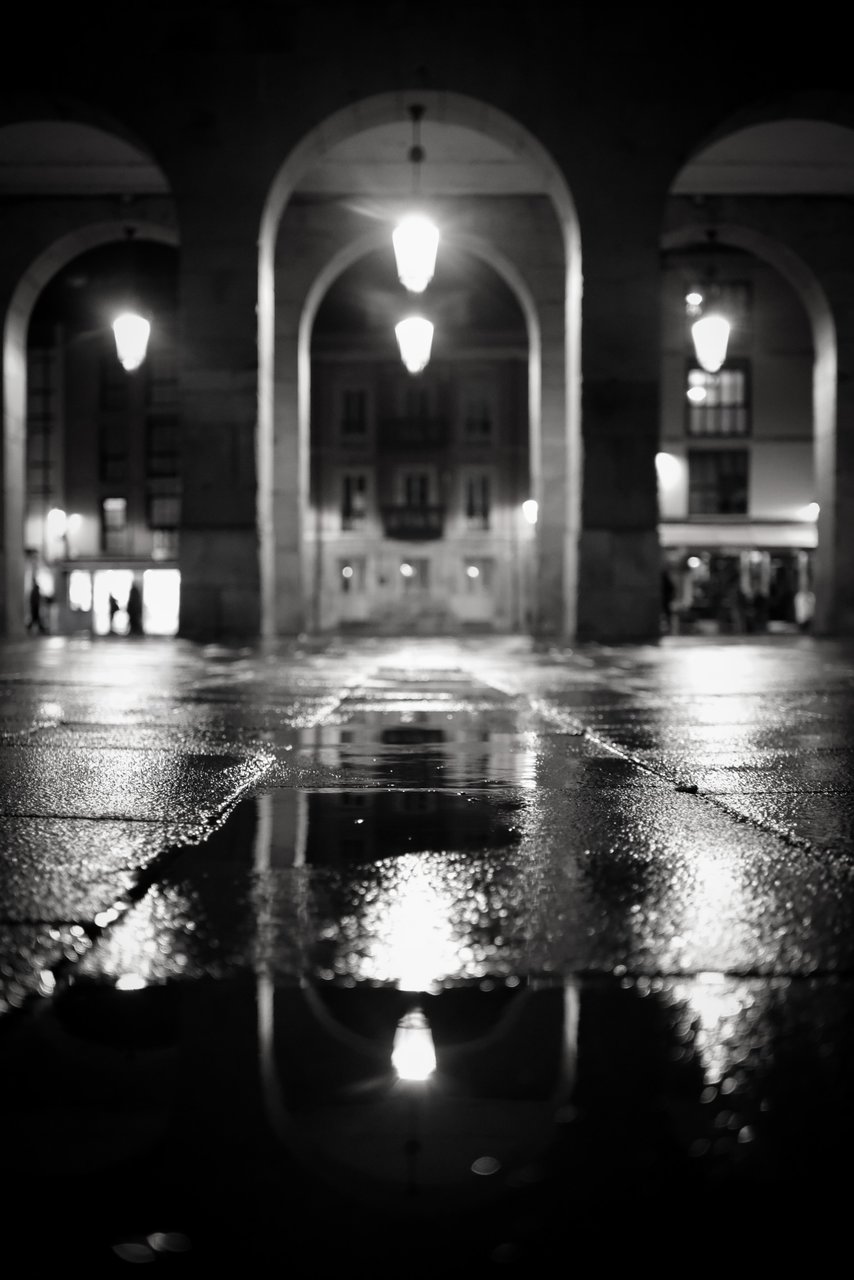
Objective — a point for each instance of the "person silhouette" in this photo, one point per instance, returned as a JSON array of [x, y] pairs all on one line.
[[35, 622], [134, 610]]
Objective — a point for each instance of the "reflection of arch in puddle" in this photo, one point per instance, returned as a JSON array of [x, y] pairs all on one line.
[[474, 1132], [447, 746]]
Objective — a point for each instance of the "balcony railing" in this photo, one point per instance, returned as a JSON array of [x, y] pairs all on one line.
[[413, 433], [413, 524]]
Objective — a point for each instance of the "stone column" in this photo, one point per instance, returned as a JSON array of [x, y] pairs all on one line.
[[220, 577], [834, 587], [619, 570]]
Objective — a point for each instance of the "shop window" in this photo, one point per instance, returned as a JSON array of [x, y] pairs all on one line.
[[354, 499], [717, 482], [718, 404], [80, 591]]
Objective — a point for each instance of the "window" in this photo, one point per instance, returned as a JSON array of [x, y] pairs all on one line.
[[418, 403], [717, 482], [42, 425], [477, 488], [354, 499], [478, 412], [164, 511], [718, 403], [415, 488], [353, 420], [114, 387], [114, 525], [163, 453], [113, 450]]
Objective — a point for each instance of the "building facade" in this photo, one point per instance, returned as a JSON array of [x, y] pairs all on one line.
[[737, 484], [268, 159]]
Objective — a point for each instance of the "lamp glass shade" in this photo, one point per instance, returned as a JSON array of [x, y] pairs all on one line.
[[416, 241], [413, 1054], [711, 335], [131, 333], [415, 338]]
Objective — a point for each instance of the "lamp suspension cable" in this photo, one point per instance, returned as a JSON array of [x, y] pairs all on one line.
[[416, 236]]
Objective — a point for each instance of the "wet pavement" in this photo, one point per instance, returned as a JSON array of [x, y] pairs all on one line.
[[612, 888]]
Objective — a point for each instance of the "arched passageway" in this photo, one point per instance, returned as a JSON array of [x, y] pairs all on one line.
[[518, 216], [752, 197], [62, 251], [420, 482]]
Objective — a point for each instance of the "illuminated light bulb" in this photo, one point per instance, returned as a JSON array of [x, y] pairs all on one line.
[[416, 241], [131, 333], [530, 510], [711, 335], [415, 339]]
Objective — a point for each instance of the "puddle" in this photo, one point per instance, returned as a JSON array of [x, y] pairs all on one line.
[[250, 1121]]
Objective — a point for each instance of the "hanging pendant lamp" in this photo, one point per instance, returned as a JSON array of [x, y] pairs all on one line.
[[710, 333], [416, 237], [413, 1053], [131, 330], [415, 339]]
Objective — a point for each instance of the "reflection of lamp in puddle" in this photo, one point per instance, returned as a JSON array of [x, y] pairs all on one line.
[[413, 1054]]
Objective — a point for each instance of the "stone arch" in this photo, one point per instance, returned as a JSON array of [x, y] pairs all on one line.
[[562, 511], [817, 307], [34, 279], [360, 248]]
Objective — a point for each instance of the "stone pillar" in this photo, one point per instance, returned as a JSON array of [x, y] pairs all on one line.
[[835, 458], [619, 572], [219, 560]]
